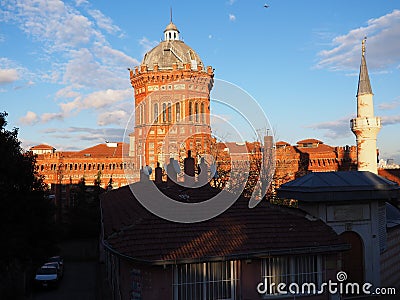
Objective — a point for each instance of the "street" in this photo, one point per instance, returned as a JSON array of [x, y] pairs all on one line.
[[78, 283]]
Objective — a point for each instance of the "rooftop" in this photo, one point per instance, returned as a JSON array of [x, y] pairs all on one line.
[[339, 186], [132, 231], [42, 147]]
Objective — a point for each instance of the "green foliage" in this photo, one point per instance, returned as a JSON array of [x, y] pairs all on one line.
[[26, 213]]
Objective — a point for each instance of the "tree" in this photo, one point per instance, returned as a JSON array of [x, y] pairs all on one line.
[[26, 214], [85, 215]]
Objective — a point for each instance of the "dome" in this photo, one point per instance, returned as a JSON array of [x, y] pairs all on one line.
[[171, 51], [167, 53]]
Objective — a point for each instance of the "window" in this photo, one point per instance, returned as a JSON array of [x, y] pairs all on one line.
[[190, 111], [213, 280], [295, 269], [202, 112], [164, 112], [196, 112], [177, 112], [155, 113], [169, 112]]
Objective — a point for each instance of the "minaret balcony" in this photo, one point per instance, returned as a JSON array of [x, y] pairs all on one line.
[[365, 122]]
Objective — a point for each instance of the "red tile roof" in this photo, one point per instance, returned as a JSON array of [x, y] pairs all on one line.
[[239, 232], [313, 141], [102, 150], [42, 147], [321, 148]]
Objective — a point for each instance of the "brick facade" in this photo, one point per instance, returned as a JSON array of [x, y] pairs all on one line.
[[102, 162], [172, 103]]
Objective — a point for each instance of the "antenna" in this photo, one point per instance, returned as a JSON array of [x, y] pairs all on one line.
[[170, 14]]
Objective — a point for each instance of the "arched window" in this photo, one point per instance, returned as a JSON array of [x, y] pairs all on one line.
[[155, 113], [190, 111], [177, 112], [196, 112], [164, 112], [169, 112], [203, 117]]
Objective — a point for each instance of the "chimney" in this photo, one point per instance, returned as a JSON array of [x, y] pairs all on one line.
[[202, 179], [158, 173], [188, 165], [145, 173], [171, 173]]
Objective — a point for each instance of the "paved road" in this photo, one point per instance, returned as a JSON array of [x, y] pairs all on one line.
[[78, 283]]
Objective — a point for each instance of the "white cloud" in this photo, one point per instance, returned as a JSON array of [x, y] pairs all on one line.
[[118, 117], [47, 117], [90, 71], [96, 100], [55, 23], [8, 76], [146, 44], [391, 120], [113, 56], [96, 134], [106, 97], [389, 105], [80, 2], [232, 17], [29, 119], [25, 85], [92, 74], [230, 2], [346, 50], [334, 129], [104, 22]]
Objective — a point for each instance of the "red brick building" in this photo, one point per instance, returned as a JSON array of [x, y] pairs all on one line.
[[311, 155], [172, 103], [107, 163]]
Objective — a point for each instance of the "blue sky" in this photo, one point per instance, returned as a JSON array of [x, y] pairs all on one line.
[[64, 78]]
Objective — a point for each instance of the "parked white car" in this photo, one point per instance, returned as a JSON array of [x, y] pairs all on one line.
[[47, 276]]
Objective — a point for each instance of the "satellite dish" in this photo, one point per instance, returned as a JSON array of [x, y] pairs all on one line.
[[176, 166], [147, 170]]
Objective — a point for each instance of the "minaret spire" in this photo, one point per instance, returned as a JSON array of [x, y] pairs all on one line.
[[366, 126], [364, 85], [170, 14]]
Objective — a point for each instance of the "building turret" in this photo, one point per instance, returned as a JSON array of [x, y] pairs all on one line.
[[365, 126], [172, 103]]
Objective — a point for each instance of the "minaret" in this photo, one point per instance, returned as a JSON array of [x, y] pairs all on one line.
[[366, 126]]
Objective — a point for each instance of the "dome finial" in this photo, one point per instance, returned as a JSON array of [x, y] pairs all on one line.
[[171, 32], [170, 14]]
